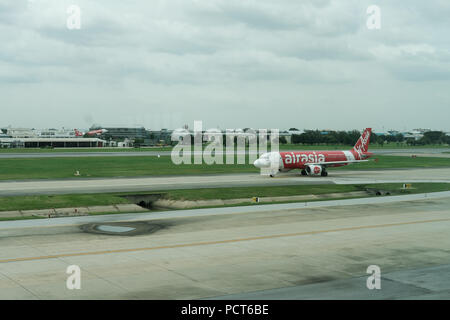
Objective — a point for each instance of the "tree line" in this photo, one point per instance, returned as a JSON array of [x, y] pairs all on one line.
[[312, 137]]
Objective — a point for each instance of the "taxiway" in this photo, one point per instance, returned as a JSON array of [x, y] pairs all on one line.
[[100, 185], [279, 252]]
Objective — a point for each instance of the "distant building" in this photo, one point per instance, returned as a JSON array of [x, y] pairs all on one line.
[[415, 134], [52, 142], [21, 132], [57, 133], [160, 137], [122, 133], [296, 132], [53, 138], [8, 142], [393, 132]]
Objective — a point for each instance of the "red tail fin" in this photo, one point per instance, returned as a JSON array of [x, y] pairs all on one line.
[[78, 133], [362, 145]]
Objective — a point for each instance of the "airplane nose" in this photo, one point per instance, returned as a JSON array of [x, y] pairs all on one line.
[[261, 163]]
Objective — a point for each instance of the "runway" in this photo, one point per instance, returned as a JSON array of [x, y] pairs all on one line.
[[278, 252], [75, 154], [427, 155], [73, 186]]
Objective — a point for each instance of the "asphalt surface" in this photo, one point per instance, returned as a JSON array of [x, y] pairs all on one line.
[[428, 283], [77, 186], [258, 252], [190, 213]]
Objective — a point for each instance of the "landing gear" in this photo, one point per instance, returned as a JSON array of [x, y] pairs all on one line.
[[308, 171]]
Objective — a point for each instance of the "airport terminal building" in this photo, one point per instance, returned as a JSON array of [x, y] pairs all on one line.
[[52, 142], [48, 138]]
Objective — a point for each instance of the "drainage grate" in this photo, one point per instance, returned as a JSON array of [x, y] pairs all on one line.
[[107, 228], [122, 228], [144, 200]]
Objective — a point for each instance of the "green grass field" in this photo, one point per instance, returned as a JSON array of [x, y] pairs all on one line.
[[69, 150], [391, 145], [49, 168], [58, 201], [84, 200], [277, 191], [54, 168]]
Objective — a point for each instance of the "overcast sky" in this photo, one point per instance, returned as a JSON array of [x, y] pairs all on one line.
[[231, 63]]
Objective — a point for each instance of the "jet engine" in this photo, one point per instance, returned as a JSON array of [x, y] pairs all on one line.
[[313, 170]]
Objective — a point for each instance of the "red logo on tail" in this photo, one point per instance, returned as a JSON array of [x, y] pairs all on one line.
[[362, 146]]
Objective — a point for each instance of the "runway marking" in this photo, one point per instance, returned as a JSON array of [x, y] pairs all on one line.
[[194, 244]]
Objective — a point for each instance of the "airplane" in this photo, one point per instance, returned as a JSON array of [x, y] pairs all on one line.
[[315, 163], [90, 133]]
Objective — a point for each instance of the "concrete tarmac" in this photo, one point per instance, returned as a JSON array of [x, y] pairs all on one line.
[[285, 252], [72, 186]]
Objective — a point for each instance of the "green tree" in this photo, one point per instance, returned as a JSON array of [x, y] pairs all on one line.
[[433, 137]]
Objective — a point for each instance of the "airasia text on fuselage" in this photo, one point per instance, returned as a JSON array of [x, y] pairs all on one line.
[[312, 157]]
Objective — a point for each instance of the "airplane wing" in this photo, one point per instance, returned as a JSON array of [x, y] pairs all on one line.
[[335, 162]]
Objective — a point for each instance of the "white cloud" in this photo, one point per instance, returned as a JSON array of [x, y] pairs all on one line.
[[233, 55]]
